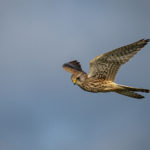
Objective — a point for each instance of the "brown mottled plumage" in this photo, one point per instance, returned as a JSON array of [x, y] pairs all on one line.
[[103, 70]]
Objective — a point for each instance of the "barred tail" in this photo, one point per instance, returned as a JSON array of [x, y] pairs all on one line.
[[130, 94], [123, 87], [131, 91]]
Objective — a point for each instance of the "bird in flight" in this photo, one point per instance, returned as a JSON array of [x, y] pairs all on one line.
[[103, 70]]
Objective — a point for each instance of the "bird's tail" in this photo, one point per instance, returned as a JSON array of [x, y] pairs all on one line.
[[131, 91]]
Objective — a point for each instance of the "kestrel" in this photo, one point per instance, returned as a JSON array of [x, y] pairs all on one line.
[[103, 70]]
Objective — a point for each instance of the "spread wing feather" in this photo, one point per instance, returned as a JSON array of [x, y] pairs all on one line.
[[72, 67], [107, 65]]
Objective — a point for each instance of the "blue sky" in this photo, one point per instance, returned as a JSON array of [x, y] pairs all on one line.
[[40, 108]]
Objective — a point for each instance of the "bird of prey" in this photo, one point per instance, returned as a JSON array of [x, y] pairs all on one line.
[[103, 70]]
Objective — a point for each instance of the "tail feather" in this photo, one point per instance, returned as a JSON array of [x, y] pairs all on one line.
[[134, 89], [131, 91], [131, 94]]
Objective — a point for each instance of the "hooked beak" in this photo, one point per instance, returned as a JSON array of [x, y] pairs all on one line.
[[74, 81]]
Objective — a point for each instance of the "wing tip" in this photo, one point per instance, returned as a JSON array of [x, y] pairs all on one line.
[[70, 62], [141, 43], [145, 40], [75, 65], [64, 65]]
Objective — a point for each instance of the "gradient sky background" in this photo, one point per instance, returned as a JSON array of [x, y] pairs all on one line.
[[40, 108]]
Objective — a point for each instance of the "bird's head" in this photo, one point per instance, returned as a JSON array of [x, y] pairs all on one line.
[[78, 75], [78, 78]]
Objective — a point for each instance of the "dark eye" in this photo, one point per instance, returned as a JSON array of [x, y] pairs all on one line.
[[78, 78]]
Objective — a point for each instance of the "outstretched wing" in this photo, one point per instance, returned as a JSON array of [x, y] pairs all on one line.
[[107, 65], [72, 67]]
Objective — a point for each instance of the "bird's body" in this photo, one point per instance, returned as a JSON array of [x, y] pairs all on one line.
[[103, 70], [96, 85]]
